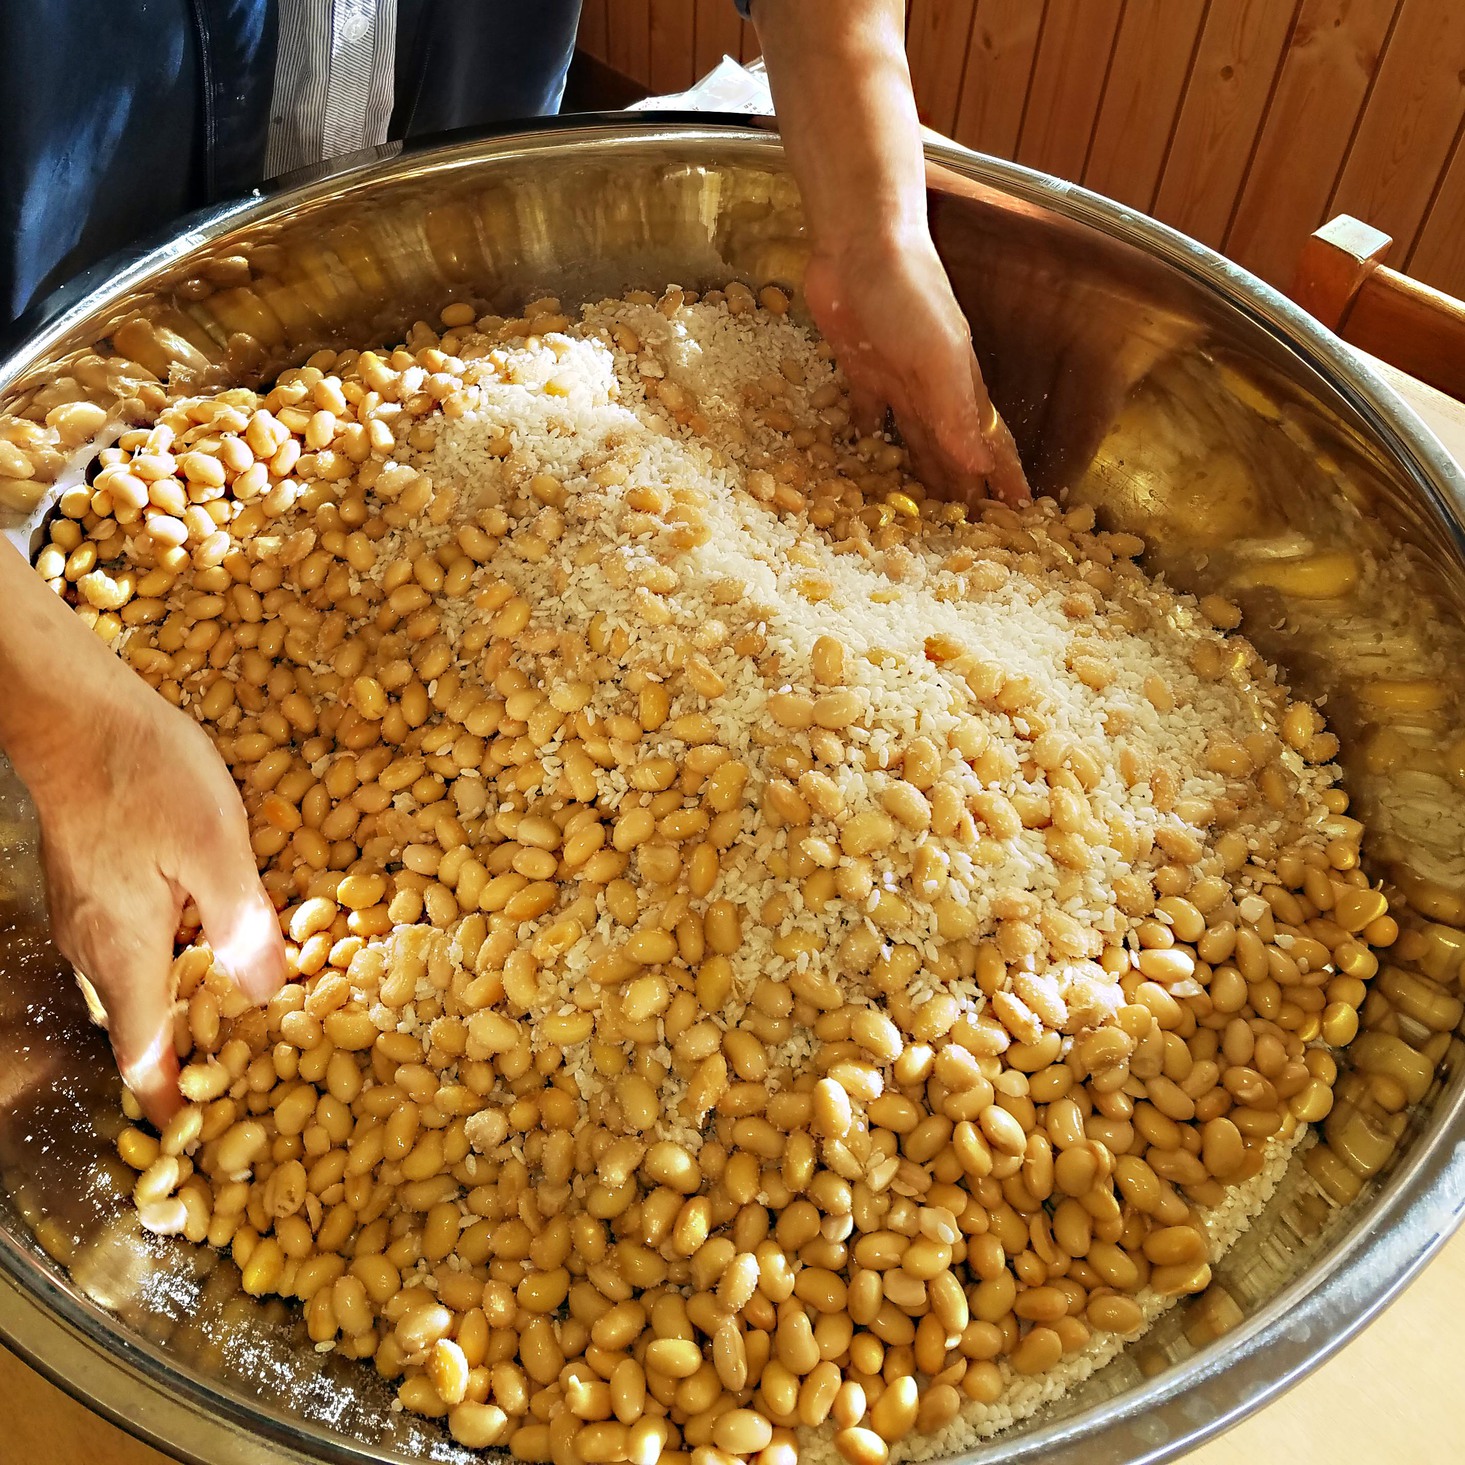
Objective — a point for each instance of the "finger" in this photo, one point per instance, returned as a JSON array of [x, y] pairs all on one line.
[[216, 871], [867, 409], [130, 965], [1005, 480], [239, 921], [954, 408], [147, 1058], [944, 477], [931, 468]]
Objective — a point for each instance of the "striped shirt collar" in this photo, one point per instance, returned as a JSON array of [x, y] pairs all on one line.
[[334, 80]]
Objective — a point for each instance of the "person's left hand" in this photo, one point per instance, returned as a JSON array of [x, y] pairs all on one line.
[[138, 814], [884, 303]]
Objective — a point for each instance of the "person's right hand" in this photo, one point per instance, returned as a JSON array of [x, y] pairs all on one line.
[[874, 283], [881, 298], [138, 813]]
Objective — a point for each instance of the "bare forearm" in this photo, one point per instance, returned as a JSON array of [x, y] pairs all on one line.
[[842, 89], [46, 657], [138, 814], [874, 283]]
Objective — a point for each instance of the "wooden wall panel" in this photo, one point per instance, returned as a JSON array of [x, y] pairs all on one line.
[[673, 48], [1439, 252], [1153, 54], [1408, 129], [1245, 123], [592, 37], [999, 64], [719, 33], [1235, 67], [1319, 96], [936, 38], [1068, 84], [628, 38]]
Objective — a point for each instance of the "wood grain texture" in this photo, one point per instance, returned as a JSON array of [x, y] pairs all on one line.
[[1235, 67], [937, 32], [999, 63], [1245, 123], [1067, 85], [1390, 1397], [673, 48], [718, 33], [1333, 266], [46, 1427], [1147, 76], [628, 38], [1321, 87], [1414, 327], [1439, 251], [592, 37], [1409, 126]]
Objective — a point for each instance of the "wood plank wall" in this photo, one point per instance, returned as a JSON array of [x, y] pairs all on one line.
[[1246, 123], [665, 44]]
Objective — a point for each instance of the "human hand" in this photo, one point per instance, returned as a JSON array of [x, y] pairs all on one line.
[[139, 814], [884, 303]]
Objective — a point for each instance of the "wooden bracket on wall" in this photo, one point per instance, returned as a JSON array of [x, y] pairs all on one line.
[[1343, 281], [1336, 262]]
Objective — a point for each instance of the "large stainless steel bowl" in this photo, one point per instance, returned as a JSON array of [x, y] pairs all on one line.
[[1137, 370]]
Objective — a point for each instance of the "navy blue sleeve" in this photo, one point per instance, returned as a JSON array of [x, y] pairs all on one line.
[[473, 65], [745, 9], [101, 140]]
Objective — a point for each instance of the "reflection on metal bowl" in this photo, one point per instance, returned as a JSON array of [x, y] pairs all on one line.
[[1138, 372]]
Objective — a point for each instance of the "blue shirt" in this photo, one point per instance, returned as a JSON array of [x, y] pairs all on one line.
[[124, 116]]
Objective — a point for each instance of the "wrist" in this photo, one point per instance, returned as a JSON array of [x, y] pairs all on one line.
[[879, 239], [58, 757], [842, 89], [56, 730]]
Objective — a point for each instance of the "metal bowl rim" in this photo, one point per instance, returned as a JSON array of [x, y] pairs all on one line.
[[58, 1332]]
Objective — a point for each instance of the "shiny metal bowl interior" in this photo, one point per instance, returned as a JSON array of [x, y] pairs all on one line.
[[1138, 371]]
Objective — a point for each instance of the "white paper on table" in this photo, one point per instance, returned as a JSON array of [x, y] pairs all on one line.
[[728, 87], [732, 87]]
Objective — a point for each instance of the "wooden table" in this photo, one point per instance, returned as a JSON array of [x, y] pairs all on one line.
[[1387, 1399]]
